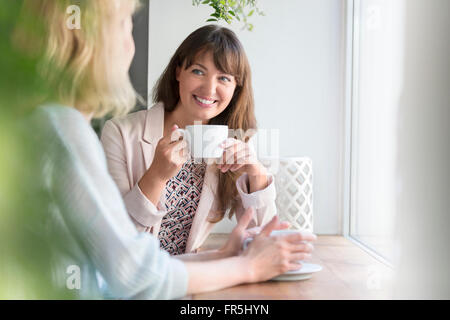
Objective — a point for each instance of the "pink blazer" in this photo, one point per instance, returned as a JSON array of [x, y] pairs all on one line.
[[129, 145]]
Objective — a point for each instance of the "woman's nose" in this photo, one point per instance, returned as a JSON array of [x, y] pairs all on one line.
[[209, 87]]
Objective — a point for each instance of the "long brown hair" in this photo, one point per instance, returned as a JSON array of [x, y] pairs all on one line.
[[229, 57]]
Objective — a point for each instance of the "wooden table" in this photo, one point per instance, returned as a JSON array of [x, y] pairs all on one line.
[[348, 273]]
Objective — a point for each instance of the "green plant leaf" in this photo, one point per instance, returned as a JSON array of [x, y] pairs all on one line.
[[227, 10]]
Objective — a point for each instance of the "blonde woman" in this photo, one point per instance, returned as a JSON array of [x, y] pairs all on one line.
[[89, 68]]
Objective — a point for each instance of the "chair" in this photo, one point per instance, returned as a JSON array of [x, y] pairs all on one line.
[[294, 185]]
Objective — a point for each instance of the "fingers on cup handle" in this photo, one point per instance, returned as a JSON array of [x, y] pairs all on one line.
[[178, 152], [175, 134]]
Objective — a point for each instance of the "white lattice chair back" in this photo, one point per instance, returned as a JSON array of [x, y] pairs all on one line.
[[294, 185]]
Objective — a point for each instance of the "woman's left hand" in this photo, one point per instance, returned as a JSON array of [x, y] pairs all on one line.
[[239, 156], [237, 237]]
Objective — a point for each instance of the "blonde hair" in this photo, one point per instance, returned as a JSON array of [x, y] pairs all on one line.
[[78, 62]]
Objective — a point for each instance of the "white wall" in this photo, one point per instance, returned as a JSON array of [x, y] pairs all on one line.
[[296, 53]]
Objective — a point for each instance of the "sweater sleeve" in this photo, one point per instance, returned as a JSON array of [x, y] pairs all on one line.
[[92, 207]]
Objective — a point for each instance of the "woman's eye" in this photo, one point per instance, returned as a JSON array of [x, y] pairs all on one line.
[[198, 72], [225, 79]]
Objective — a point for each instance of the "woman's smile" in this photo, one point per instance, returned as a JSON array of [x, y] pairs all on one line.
[[205, 102]]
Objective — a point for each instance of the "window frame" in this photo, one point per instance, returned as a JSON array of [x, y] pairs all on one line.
[[352, 21]]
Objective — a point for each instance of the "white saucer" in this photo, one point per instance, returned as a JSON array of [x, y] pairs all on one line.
[[286, 277], [305, 272]]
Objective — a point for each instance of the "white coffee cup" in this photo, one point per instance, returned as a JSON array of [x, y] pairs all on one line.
[[204, 140]]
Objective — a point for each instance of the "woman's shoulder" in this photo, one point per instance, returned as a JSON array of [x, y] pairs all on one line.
[[62, 130], [135, 120], [134, 124], [129, 121], [61, 120], [53, 113]]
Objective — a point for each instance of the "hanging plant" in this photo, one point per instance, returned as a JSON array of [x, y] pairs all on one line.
[[228, 10]]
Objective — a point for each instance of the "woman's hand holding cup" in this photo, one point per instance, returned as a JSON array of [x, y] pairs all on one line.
[[240, 233], [271, 255], [170, 155], [239, 156]]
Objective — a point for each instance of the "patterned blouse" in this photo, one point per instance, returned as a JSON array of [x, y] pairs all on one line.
[[182, 197]]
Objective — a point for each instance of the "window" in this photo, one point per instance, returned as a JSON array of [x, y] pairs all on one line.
[[375, 78]]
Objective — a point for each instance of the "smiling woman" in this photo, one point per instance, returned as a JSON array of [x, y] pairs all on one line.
[[214, 61], [208, 80]]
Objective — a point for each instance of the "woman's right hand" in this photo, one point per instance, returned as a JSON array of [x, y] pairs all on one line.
[[169, 157], [269, 256], [167, 161]]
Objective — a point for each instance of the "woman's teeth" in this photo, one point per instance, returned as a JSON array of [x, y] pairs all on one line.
[[204, 101]]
